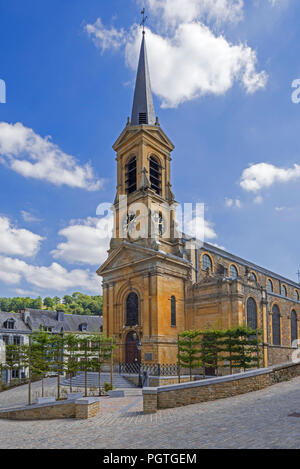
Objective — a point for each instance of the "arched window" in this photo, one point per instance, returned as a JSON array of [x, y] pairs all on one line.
[[206, 262], [132, 310], [294, 329], [270, 286], [155, 175], [131, 176], [276, 325], [253, 276], [233, 272], [296, 296], [173, 311], [252, 313], [283, 291]]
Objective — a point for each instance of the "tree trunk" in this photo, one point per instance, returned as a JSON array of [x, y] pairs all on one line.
[[29, 372], [85, 375]]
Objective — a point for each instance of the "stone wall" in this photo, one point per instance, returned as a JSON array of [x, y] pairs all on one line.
[[79, 409], [217, 388]]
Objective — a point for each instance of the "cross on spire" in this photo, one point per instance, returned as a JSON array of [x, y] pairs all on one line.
[[298, 273], [144, 19]]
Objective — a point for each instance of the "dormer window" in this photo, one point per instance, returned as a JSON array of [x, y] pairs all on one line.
[[9, 324]]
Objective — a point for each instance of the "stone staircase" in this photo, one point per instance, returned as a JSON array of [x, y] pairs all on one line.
[[119, 381]]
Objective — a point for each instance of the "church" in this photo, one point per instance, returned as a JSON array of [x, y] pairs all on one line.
[[156, 283]]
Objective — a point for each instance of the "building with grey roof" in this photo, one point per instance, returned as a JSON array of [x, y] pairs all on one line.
[[15, 328]]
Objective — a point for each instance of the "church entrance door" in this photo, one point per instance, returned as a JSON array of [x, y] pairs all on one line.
[[132, 353]]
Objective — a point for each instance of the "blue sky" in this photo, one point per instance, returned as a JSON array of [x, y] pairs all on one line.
[[222, 76]]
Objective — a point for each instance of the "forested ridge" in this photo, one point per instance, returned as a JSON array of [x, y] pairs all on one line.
[[77, 303]]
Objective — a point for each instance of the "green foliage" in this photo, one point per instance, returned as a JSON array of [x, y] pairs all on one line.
[[189, 349], [237, 347], [78, 303], [107, 387]]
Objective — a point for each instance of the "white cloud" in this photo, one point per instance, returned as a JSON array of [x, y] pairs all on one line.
[[233, 203], [173, 12], [278, 2], [87, 241], [196, 60], [196, 63], [55, 277], [28, 217], [105, 38], [263, 175], [30, 155], [258, 200], [200, 225], [29, 293], [16, 241]]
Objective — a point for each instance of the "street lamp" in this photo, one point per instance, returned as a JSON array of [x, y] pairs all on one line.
[[139, 347]]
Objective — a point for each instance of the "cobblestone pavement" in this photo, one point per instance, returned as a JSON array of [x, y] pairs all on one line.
[[256, 420]]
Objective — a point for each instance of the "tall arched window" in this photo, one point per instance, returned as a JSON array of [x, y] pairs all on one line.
[[173, 311], [283, 291], [132, 310], [206, 262], [233, 272], [276, 325], [296, 296], [294, 329], [252, 313], [155, 175], [131, 176], [253, 276], [270, 286]]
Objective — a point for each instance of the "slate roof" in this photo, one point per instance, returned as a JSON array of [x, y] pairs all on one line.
[[73, 321], [143, 100], [20, 325], [70, 323], [245, 263]]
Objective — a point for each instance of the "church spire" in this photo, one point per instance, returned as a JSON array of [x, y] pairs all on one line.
[[143, 108]]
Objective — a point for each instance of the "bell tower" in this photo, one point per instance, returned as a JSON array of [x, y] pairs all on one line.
[[144, 277], [144, 203]]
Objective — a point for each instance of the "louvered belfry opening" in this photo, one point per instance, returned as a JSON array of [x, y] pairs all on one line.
[[143, 118], [155, 175], [131, 176]]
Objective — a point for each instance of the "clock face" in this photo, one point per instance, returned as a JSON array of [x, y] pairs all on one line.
[[129, 224], [159, 223]]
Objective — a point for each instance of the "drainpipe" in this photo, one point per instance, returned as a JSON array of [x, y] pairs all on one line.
[[197, 265]]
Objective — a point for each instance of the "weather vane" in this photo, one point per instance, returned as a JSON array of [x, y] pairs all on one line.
[[143, 20]]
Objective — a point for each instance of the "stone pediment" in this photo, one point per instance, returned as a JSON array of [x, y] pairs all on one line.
[[126, 255], [152, 132]]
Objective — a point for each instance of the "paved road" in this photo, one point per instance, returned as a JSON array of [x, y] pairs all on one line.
[[257, 420]]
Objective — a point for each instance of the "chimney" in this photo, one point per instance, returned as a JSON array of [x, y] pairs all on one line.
[[60, 315]]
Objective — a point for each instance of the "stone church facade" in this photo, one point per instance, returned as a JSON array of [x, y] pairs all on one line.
[[158, 283]]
